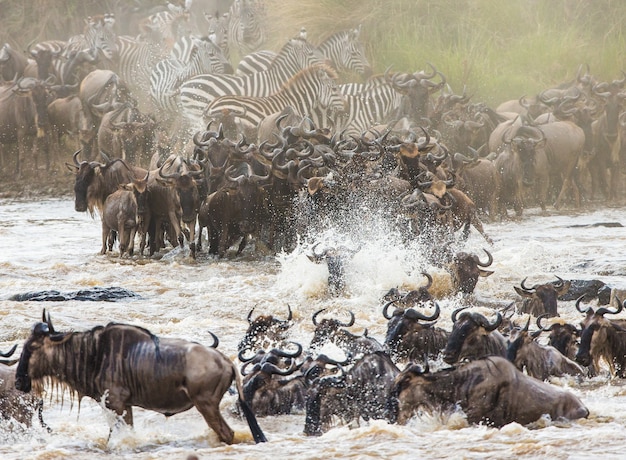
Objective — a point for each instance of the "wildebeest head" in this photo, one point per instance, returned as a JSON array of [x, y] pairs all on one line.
[[406, 334], [43, 335], [466, 269], [563, 336], [265, 330], [326, 329], [542, 298], [139, 187], [249, 187], [520, 338], [410, 391], [336, 259], [467, 337], [598, 337]]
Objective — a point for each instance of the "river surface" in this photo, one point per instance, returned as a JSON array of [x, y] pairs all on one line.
[[46, 245]]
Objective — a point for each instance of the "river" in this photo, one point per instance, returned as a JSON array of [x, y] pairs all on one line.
[[46, 245]]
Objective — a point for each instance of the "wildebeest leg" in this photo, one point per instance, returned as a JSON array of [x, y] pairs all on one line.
[[224, 241], [478, 225], [242, 245], [131, 241], [209, 408], [105, 238]]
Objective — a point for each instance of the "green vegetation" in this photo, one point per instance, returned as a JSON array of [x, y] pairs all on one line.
[[498, 49]]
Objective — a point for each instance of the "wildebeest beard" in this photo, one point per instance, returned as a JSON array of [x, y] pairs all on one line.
[[78, 364]]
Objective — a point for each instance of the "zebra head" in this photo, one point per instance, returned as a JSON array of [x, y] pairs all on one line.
[[330, 97], [347, 52]]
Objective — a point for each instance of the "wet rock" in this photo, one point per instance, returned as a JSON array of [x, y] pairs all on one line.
[[96, 294], [589, 288]]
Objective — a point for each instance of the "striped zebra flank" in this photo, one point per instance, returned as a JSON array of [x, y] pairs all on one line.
[[312, 92], [189, 57], [198, 92]]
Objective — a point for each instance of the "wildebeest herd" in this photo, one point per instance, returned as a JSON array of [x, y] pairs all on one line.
[[173, 139]]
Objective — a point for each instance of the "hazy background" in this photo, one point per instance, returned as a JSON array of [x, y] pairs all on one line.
[[499, 49]]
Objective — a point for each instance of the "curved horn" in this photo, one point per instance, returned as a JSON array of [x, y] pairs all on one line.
[[386, 308], [349, 323], [216, 340], [430, 280], [605, 311], [495, 324], [75, 157], [485, 264], [532, 289], [456, 312], [423, 317], [9, 353], [315, 316], [539, 318], [578, 305], [249, 318]]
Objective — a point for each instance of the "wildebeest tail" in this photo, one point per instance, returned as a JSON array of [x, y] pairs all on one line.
[[40, 415], [255, 429]]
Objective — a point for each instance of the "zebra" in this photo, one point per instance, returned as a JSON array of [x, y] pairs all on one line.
[[258, 61], [165, 27], [189, 57], [196, 93], [246, 31], [344, 49], [137, 58], [218, 25], [312, 92], [373, 106]]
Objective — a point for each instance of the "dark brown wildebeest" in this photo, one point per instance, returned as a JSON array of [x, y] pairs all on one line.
[[473, 337], [126, 212], [133, 367], [265, 331], [177, 202], [603, 339], [234, 212], [330, 330], [264, 389], [24, 121], [489, 390], [12, 63], [538, 361], [408, 339], [96, 181], [13, 404], [466, 269], [127, 133], [336, 259], [479, 179], [563, 336], [542, 298], [362, 392]]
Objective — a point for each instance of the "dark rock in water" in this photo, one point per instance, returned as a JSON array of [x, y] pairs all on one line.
[[598, 224], [96, 294], [589, 288], [604, 295]]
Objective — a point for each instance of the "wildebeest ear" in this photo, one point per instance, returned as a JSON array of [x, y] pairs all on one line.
[[485, 273], [72, 168]]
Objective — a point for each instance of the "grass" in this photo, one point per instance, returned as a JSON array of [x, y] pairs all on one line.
[[498, 49]]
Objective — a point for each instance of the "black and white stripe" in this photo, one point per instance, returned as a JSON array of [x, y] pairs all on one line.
[[189, 57], [312, 92], [346, 51], [246, 28], [137, 58], [198, 92]]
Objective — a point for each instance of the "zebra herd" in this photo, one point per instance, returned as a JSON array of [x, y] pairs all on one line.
[[184, 80]]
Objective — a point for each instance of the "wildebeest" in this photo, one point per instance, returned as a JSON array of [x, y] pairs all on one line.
[[95, 181], [466, 269], [603, 339], [335, 258], [125, 212], [265, 331], [264, 388], [408, 339], [473, 337], [362, 392], [13, 403], [489, 390], [23, 120], [538, 361], [330, 330], [234, 212], [130, 366], [542, 298]]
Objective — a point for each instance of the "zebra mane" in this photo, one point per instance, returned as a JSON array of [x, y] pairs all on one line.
[[332, 73]]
